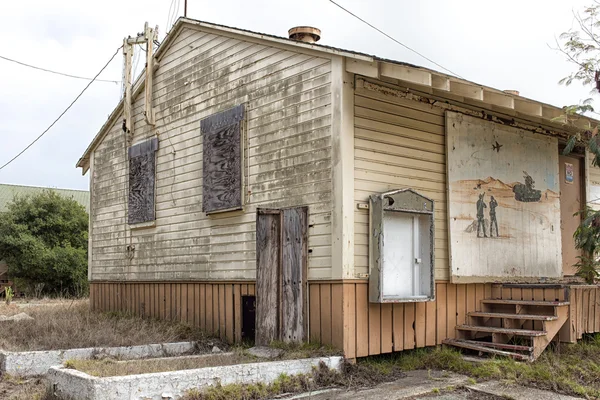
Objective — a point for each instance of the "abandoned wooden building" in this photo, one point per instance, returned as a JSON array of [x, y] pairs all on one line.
[[272, 188]]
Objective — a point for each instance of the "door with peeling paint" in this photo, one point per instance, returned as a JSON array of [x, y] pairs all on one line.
[[281, 262]]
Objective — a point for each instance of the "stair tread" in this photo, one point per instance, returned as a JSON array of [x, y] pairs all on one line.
[[503, 346], [526, 302], [513, 316], [477, 347], [518, 332]]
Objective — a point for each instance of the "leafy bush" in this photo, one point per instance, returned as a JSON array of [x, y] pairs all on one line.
[[44, 240], [587, 238]]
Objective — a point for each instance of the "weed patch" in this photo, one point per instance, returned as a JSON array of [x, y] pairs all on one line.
[[105, 368], [72, 325], [569, 369], [320, 377]]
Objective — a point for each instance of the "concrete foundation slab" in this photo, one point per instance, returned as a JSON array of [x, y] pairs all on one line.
[[32, 363], [517, 392], [415, 383], [78, 385]]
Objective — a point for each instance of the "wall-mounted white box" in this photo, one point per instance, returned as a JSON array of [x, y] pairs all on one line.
[[401, 247]]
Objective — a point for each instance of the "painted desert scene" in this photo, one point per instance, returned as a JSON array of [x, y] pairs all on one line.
[[503, 203], [498, 220]]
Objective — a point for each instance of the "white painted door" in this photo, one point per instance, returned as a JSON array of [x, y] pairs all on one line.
[[400, 253]]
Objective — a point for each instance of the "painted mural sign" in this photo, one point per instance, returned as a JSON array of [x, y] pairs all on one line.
[[503, 202]]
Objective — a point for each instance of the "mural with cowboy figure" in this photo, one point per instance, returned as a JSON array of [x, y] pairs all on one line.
[[503, 202]]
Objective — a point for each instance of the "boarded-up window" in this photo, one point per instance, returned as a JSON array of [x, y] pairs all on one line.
[[142, 164], [222, 160]]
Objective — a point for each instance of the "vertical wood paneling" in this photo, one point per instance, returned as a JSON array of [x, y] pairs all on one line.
[[183, 305], [237, 312], [191, 307], [315, 313], [147, 297], [420, 319], [461, 304], [374, 328], [337, 315], [362, 320], [349, 311], [222, 314], [325, 314], [387, 336], [591, 310], [398, 326], [202, 308], [451, 308], [161, 301], [442, 312], [209, 309], [409, 324], [430, 324], [580, 312], [229, 312]]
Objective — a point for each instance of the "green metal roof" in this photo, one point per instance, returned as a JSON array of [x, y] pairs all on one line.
[[7, 193]]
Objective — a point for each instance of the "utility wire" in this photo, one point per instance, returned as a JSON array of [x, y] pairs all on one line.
[[54, 72], [64, 112], [397, 41]]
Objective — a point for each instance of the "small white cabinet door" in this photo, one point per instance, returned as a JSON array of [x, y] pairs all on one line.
[[400, 255]]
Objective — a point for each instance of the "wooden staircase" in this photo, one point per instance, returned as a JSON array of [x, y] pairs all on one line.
[[520, 329]]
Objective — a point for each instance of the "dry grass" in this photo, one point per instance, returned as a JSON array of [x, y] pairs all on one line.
[[13, 388], [105, 368], [68, 325]]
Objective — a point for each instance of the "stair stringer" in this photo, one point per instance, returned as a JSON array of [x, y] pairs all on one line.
[[552, 328]]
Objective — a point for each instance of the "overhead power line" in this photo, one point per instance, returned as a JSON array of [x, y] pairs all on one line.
[[64, 112], [395, 40], [54, 72]]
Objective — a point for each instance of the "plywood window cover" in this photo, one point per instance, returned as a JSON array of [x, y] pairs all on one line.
[[142, 215], [229, 125], [377, 206]]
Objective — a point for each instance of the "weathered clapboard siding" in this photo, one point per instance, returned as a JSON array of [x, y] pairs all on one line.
[[287, 161], [398, 143]]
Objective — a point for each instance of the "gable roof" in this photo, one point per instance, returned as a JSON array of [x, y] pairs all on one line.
[[8, 192], [434, 82]]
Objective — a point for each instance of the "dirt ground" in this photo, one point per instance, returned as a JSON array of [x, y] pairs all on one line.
[[22, 389]]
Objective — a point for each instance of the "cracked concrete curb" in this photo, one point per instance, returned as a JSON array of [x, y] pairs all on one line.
[[70, 383], [33, 363]]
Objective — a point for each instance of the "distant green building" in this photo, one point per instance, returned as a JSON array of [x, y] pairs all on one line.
[[8, 192]]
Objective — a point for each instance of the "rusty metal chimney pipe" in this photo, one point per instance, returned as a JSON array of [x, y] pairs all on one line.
[[306, 34]]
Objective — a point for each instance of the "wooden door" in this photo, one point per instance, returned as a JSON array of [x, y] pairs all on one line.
[[571, 195], [268, 259], [281, 255]]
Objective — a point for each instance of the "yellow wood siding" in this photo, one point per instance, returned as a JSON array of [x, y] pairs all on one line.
[[399, 143], [288, 161]]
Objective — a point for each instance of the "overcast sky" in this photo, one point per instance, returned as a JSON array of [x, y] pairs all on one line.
[[499, 44]]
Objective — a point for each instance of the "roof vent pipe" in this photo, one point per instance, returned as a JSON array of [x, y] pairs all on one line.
[[306, 34], [513, 92]]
